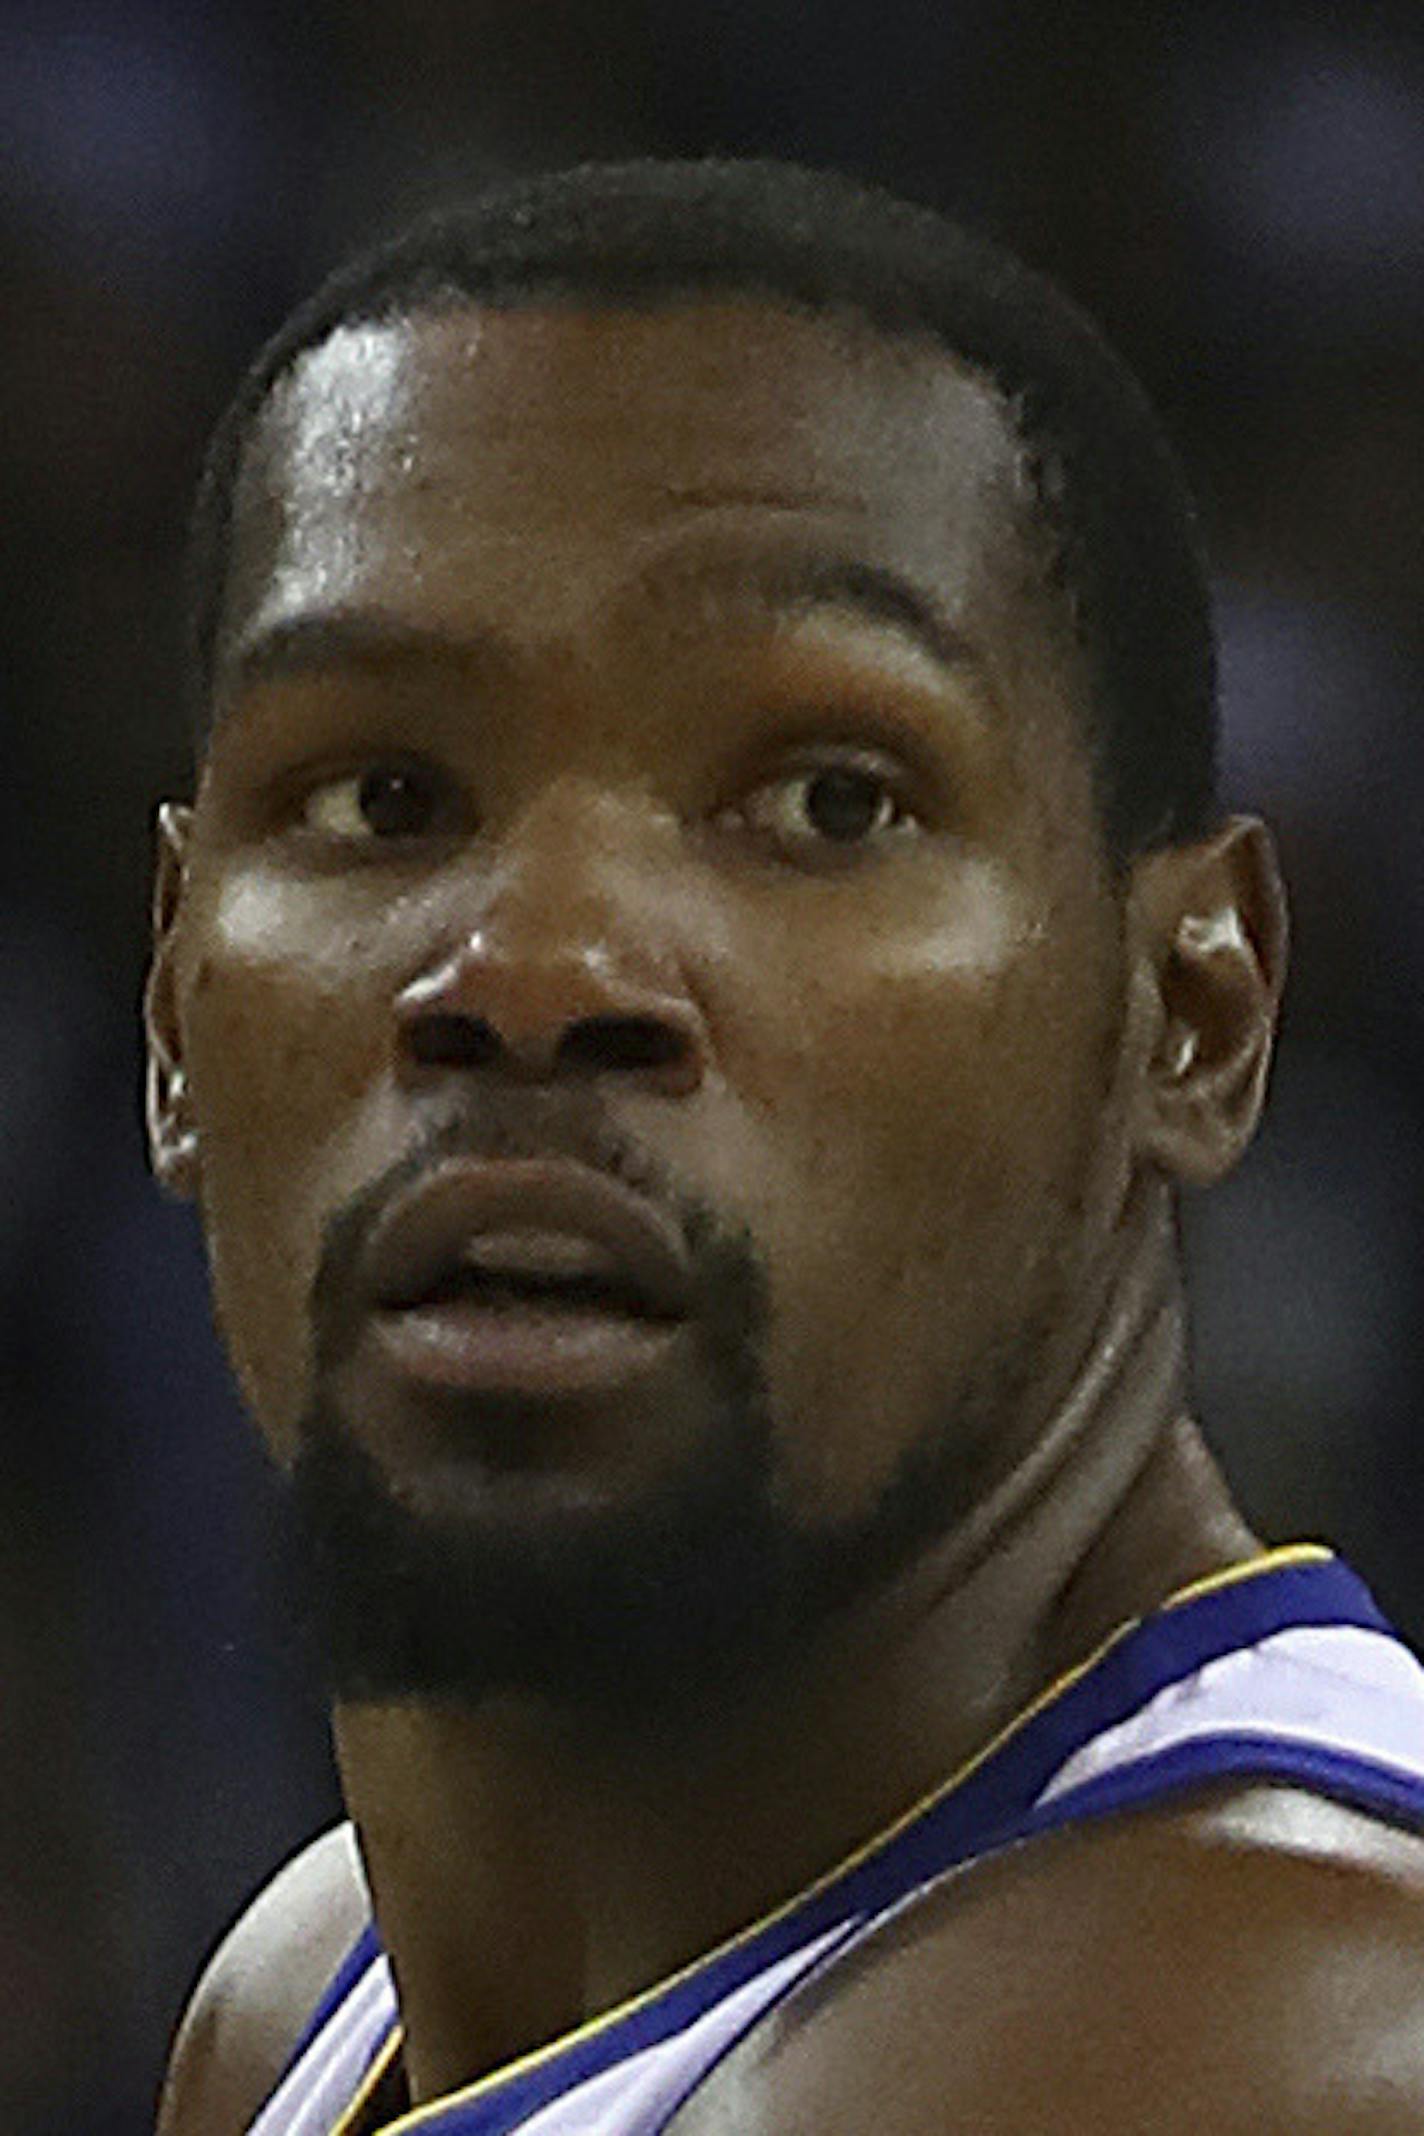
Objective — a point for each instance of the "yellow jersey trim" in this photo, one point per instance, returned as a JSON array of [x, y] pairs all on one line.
[[1231, 1575], [350, 2122], [421, 2117]]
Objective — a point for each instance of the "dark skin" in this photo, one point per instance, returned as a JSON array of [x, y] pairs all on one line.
[[588, 573]]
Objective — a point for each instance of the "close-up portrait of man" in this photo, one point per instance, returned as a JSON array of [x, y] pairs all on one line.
[[702, 953]]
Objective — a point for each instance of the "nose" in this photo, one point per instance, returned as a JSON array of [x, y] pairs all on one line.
[[547, 980]]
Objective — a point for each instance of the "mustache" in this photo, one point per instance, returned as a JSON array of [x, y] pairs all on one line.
[[504, 1125]]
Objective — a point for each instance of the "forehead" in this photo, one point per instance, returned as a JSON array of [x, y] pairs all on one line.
[[435, 459]]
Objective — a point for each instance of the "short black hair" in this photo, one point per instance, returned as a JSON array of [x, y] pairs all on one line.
[[634, 235]]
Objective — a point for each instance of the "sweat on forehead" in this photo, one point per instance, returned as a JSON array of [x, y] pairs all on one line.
[[467, 428], [634, 235]]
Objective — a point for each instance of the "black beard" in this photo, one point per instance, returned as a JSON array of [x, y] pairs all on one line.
[[441, 1602], [633, 1610]]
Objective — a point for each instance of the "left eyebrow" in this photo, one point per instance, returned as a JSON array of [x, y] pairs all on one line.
[[795, 581]]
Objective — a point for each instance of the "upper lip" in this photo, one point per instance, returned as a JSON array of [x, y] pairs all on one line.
[[605, 1229]]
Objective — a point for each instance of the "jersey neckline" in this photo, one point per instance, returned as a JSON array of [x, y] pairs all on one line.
[[970, 1811]]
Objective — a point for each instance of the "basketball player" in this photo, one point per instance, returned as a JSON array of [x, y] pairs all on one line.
[[702, 954]]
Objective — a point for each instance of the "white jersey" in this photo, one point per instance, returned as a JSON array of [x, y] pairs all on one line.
[[1283, 1669]]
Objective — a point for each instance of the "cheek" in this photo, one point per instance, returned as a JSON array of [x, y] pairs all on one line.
[[939, 1043], [285, 1046], [935, 1105]]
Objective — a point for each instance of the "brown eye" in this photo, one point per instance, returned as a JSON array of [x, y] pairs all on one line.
[[396, 804], [846, 804], [823, 807], [384, 801]]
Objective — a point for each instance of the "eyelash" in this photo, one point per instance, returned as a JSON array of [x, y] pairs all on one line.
[[756, 813], [436, 789], [805, 840]]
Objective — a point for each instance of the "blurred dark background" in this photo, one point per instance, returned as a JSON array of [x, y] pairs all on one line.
[[1237, 192]]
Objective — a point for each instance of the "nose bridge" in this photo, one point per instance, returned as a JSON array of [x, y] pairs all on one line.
[[551, 945], [570, 878]]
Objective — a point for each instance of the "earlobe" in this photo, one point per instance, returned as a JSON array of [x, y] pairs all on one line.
[[1212, 928], [172, 1129], [172, 1134]]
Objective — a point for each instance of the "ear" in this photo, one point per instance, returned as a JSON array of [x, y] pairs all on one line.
[[1210, 923], [172, 1132]]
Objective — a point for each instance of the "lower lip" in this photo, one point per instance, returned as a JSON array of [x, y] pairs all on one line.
[[521, 1350]]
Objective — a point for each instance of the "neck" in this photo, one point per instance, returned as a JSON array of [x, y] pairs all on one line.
[[528, 1873]]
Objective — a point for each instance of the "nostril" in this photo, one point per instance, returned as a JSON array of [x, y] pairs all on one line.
[[602, 1042], [453, 1042], [593, 1045]]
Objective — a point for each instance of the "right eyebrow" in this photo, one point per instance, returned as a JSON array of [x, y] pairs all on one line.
[[320, 641]]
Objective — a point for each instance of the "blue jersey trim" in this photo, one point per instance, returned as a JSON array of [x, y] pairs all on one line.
[[1161, 1651], [358, 1960], [992, 1807], [1363, 1783]]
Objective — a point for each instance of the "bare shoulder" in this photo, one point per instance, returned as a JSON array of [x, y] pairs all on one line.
[[260, 1986], [1252, 1963]]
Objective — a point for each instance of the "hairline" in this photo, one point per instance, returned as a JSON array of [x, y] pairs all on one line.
[[1029, 512], [1091, 441]]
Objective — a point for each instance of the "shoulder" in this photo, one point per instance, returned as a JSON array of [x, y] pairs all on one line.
[[1253, 1963], [260, 1987]]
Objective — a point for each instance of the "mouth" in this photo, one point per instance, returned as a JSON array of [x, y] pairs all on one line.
[[533, 1278], [522, 1269]]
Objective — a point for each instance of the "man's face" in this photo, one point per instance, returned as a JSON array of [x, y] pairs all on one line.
[[643, 741]]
